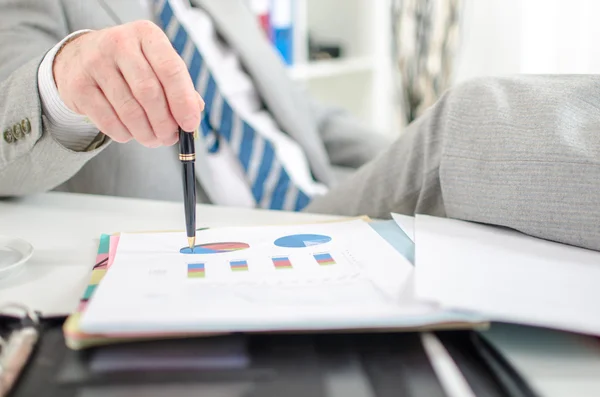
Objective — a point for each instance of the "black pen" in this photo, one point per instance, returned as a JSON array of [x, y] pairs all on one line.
[[187, 155]]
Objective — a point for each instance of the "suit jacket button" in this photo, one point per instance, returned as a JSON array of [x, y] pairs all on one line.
[[18, 131], [8, 136], [26, 126]]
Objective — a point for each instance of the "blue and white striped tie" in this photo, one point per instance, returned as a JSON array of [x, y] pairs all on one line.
[[270, 183]]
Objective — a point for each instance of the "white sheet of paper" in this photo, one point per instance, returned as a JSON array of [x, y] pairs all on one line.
[[147, 289], [406, 223], [507, 276]]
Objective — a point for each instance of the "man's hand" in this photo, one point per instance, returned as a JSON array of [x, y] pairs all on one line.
[[130, 82]]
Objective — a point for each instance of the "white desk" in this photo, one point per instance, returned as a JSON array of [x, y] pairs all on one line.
[[64, 230]]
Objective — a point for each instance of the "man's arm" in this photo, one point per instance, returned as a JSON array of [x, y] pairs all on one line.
[[31, 159], [349, 142], [128, 80], [522, 152]]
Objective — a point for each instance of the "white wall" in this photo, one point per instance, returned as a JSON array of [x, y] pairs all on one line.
[[502, 37], [363, 28]]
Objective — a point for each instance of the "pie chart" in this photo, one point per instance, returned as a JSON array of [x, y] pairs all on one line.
[[214, 248], [302, 240]]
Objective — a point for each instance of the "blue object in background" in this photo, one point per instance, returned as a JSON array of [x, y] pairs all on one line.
[[282, 39], [282, 28]]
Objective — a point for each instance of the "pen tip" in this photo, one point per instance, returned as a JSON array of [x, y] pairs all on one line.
[[191, 242]]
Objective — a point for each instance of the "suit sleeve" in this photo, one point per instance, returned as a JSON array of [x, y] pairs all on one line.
[[31, 159], [73, 131], [349, 142]]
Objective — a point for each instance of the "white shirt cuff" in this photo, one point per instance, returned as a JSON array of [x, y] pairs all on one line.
[[72, 130]]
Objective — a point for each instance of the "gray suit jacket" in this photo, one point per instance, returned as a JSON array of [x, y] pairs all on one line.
[[32, 161]]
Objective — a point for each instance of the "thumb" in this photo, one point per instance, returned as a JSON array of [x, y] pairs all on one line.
[[200, 102]]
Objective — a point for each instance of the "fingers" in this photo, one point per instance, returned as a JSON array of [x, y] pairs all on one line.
[[132, 84], [181, 96], [94, 104], [149, 93], [131, 114]]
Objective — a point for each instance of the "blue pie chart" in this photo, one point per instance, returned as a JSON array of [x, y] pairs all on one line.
[[302, 240]]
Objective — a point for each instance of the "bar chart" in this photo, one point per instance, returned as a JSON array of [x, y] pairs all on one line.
[[196, 270], [239, 265], [282, 262], [324, 259], [258, 268]]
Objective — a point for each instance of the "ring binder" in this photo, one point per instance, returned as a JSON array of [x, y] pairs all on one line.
[[16, 350]]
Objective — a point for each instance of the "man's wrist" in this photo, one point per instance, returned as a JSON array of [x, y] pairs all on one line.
[[70, 129], [62, 45]]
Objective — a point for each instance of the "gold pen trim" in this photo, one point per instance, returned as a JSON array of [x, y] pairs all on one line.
[[187, 157], [192, 242]]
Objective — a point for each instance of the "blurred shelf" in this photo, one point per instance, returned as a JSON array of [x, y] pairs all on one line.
[[331, 68]]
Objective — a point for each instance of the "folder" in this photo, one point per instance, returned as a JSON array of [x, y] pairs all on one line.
[[388, 230]]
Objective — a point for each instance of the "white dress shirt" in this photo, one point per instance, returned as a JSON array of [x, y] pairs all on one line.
[[220, 174]]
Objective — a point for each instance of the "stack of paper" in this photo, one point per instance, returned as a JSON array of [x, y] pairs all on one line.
[[504, 275], [350, 275]]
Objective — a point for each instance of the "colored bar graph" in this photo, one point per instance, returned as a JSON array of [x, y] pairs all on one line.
[[324, 259], [239, 266], [282, 262], [196, 270]]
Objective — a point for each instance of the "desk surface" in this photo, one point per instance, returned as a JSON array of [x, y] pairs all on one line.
[[64, 229]]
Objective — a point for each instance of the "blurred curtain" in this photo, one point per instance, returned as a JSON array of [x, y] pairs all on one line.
[[559, 37], [426, 35], [504, 37]]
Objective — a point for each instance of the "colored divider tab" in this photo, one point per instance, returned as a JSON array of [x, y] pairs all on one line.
[[89, 291], [104, 244]]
